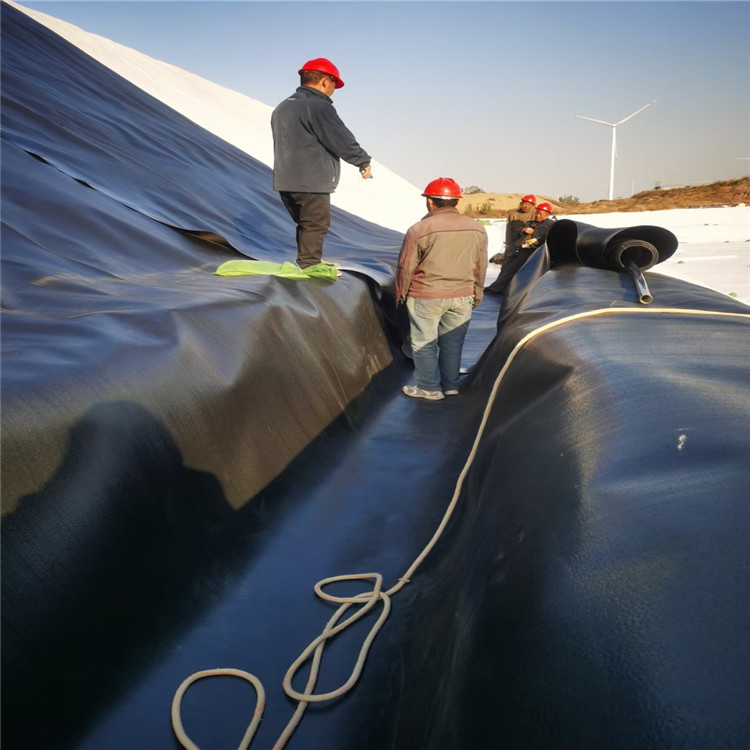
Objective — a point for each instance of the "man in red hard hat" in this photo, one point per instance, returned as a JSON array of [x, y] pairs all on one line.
[[440, 276], [309, 139], [518, 217], [534, 232]]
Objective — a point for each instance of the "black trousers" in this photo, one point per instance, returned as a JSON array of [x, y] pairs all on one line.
[[311, 213], [513, 261]]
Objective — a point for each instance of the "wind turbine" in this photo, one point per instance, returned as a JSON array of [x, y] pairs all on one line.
[[614, 125]]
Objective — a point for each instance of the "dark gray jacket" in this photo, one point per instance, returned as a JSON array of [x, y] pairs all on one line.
[[309, 138], [516, 255], [516, 222]]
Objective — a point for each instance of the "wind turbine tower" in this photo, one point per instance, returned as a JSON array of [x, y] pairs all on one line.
[[614, 125]]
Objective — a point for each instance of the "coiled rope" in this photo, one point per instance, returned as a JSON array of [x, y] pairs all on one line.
[[368, 599]]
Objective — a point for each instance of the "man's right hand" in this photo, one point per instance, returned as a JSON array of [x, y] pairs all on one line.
[[366, 172]]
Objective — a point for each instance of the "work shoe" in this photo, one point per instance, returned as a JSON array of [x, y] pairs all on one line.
[[330, 263], [451, 392], [337, 266], [322, 271], [417, 392]]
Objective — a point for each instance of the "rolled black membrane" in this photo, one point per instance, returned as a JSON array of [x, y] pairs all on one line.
[[184, 456]]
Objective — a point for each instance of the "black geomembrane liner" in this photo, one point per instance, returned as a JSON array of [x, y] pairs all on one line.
[[184, 456]]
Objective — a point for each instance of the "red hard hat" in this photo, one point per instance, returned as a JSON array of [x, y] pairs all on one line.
[[528, 199], [324, 66], [544, 207], [443, 187]]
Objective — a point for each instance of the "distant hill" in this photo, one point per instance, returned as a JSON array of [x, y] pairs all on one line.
[[725, 193], [495, 205]]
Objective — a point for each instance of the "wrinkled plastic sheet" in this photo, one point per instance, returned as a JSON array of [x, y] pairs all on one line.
[[185, 456], [104, 191]]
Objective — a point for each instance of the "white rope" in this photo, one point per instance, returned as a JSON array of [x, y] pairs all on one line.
[[368, 599], [260, 704]]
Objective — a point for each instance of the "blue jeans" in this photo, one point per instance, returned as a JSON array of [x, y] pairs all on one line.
[[438, 330]]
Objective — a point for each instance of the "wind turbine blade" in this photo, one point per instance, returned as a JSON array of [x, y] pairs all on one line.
[[602, 122], [636, 112]]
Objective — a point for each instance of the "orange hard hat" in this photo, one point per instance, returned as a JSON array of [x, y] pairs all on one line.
[[544, 207], [442, 187], [528, 199], [324, 66]]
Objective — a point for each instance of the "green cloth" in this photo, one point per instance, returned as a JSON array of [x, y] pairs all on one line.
[[267, 268]]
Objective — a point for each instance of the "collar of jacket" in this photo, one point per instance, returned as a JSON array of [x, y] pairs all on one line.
[[441, 210], [534, 223], [308, 90]]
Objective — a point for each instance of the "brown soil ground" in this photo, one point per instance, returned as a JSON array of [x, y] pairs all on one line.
[[726, 193], [494, 205]]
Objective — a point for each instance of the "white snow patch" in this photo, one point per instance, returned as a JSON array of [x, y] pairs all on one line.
[[714, 249], [725, 224]]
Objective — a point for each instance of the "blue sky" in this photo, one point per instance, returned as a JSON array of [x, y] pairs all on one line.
[[483, 91]]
